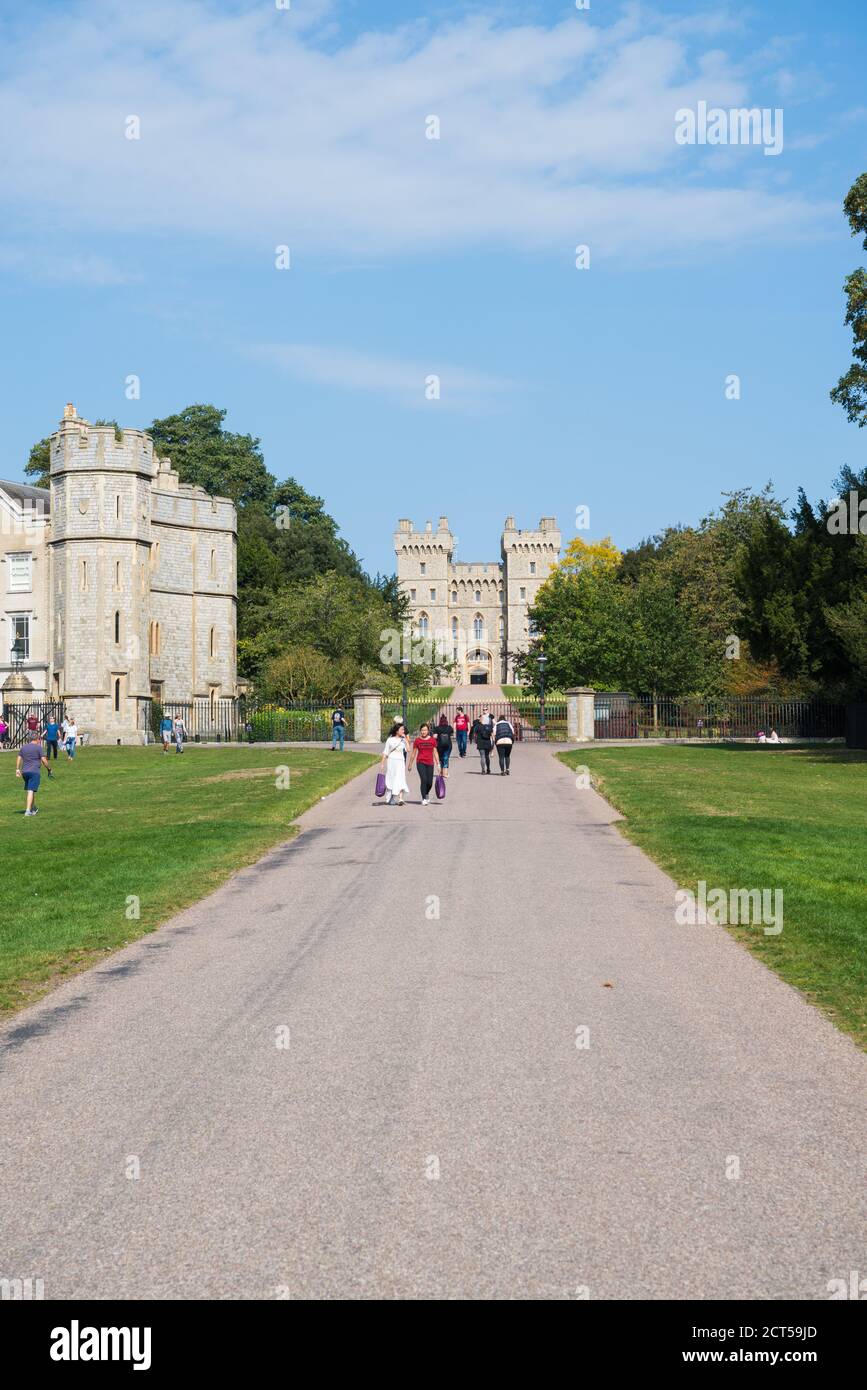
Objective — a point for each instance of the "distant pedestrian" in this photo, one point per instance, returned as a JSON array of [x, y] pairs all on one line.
[[444, 743], [52, 738], [504, 737], [4, 732], [166, 731], [70, 736], [481, 736], [32, 724], [462, 728], [424, 748], [179, 729], [394, 764], [28, 765], [338, 728]]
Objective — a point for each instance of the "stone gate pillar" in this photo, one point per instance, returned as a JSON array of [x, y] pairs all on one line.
[[368, 716], [580, 716]]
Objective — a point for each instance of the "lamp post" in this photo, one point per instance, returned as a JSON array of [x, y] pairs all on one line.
[[404, 672], [543, 661]]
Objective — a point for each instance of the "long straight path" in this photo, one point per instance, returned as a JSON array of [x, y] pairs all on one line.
[[357, 1070]]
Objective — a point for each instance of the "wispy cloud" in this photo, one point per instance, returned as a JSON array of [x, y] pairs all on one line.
[[261, 127], [411, 383]]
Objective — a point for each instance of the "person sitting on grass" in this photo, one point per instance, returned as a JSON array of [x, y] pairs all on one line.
[[28, 766]]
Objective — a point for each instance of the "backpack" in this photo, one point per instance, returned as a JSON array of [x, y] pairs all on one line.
[[444, 737]]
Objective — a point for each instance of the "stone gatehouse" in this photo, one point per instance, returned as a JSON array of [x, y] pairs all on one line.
[[118, 583], [476, 612]]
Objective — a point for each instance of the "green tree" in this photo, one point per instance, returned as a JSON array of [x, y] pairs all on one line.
[[663, 653], [851, 390], [579, 616], [202, 452]]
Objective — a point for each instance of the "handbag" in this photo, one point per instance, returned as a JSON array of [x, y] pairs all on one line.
[[440, 786], [380, 784]]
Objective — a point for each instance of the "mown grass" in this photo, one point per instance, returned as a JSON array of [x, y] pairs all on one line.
[[134, 822], [761, 817]]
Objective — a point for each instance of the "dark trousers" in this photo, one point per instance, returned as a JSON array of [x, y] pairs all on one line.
[[425, 777], [461, 736], [51, 748], [504, 753], [485, 758]]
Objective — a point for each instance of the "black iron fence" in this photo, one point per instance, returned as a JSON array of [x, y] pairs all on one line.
[[17, 712], [625, 716], [526, 716], [244, 720]]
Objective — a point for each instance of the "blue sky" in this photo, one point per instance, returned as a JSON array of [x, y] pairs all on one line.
[[410, 256]]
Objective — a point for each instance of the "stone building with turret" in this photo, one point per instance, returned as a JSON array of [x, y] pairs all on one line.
[[475, 612], [118, 583]]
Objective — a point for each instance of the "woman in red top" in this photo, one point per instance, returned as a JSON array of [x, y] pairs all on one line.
[[424, 749]]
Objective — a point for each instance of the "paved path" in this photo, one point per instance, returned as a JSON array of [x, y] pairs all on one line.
[[423, 1046]]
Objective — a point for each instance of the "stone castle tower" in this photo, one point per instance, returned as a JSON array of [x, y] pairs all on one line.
[[476, 612], [127, 590]]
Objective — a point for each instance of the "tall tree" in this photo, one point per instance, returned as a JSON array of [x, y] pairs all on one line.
[[851, 390], [202, 452]]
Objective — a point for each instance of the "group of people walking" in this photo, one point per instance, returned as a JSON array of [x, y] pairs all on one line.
[[432, 747], [40, 745]]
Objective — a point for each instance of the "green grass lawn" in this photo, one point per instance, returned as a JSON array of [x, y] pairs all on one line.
[[134, 821], [741, 816]]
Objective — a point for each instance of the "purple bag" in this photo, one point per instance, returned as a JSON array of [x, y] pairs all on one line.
[[440, 786], [380, 784]]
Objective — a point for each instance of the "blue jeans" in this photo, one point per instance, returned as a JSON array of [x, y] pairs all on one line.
[[461, 736], [338, 734], [444, 758]]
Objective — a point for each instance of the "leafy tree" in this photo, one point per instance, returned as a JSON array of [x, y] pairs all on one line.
[[303, 673], [851, 390], [580, 615], [662, 650], [202, 452]]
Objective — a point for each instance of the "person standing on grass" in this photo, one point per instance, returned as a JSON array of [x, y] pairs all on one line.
[[424, 749], [338, 728], [394, 764], [4, 732], [52, 738], [180, 731], [481, 736], [462, 728], [70, 736], [166, 731], [444, 743], [28, 765], [504, 737]]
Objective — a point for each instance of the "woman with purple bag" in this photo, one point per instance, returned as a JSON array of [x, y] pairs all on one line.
[[393, 765]]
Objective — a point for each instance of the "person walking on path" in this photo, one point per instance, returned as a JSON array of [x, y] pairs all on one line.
[[70, 736], [504, 737], [52, 737], [394, 765], [338, 728], [180, 732], [424, 749], [444, 743], [166, 731], [481, 736], [28, 765], [462, 728]]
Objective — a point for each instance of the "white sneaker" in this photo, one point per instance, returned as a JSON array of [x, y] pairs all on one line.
[[424, 801]]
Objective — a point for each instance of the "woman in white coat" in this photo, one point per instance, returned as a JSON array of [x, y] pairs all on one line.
[[394, 765]]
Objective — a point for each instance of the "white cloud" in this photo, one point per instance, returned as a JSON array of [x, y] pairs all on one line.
[[258, 130], [403, 380]]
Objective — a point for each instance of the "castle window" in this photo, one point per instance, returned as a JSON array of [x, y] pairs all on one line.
[[423, 624], [478, 626], [532, 629], [117, 626], [422, 569], [117, 695], [502, 629], [117, 506], [117, 574], [454, 595], [19, 636], [82, 575], [433, 594], [213, 565], [478, 595], [20, 571], [412, 595], [212, 642], [454, 627], [523, 595], [532, 566]]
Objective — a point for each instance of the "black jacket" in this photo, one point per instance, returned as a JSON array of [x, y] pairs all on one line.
[[481, 734]]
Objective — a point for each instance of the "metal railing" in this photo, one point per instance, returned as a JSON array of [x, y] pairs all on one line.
[[625, 716], [245, 720]]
